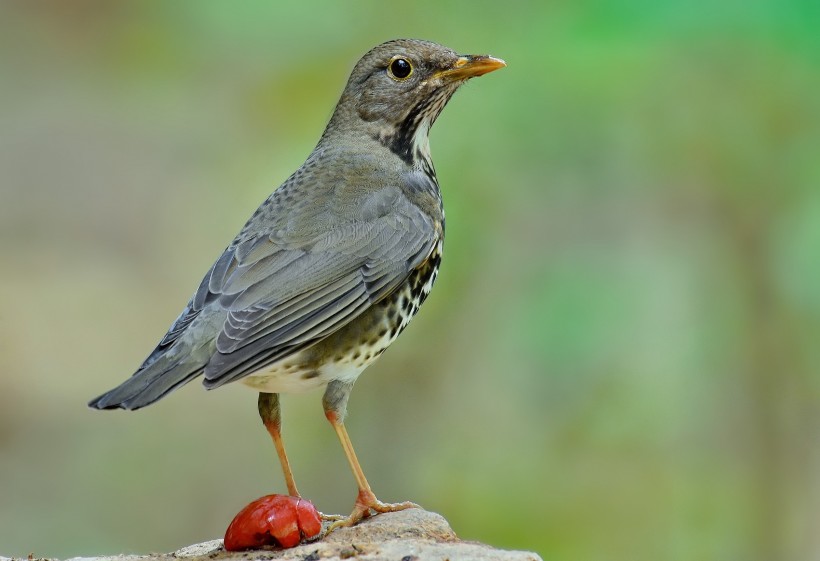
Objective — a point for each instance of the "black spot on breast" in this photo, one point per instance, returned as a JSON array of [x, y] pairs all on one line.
[[416, 290], [310, 375]]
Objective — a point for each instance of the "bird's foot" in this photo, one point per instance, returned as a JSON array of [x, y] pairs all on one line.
[[365, 503], [330, 517]]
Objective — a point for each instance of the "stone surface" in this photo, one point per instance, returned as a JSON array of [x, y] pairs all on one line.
[[409, 535]]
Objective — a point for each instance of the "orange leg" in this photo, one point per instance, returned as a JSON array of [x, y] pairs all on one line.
[[272, 419], [365, 500]]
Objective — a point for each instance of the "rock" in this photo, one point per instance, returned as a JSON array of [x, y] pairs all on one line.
[[409, 535]]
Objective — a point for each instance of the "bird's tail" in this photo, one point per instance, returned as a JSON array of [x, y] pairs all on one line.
[[151, 382]]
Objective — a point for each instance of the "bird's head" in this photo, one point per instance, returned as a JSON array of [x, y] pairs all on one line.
[[398, 89]]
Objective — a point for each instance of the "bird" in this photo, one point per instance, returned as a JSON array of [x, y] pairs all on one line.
[[333, 265]]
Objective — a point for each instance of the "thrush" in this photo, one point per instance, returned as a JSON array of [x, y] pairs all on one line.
[[333, 265]]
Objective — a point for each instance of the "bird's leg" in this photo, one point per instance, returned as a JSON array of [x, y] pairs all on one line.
[[272, 419], [271, 416], [335, 405]]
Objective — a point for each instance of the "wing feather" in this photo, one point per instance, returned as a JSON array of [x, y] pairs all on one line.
[[279, 298]]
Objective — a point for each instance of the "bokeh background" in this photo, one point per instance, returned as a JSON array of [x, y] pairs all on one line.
[[620, 359]]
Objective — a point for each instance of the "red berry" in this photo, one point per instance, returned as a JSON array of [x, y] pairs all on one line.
[[273, 520]]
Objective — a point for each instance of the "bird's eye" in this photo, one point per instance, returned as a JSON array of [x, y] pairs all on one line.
[[400, 68]]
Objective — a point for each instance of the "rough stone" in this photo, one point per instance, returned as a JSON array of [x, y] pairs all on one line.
[[409, 535]]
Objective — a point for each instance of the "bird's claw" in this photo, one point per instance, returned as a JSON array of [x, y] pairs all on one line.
[[365, 503], [330, 517]]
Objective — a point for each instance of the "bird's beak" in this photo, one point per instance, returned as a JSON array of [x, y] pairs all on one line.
[[470, 66]]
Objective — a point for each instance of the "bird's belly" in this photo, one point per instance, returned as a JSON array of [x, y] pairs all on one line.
[[294, 376], [319, 365]]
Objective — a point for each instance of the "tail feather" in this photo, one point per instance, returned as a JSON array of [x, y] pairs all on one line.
[[150, 384]]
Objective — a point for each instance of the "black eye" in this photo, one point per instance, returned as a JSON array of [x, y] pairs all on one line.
[[400, 68]]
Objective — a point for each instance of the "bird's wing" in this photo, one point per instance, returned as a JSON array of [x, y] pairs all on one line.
[[279, 297]]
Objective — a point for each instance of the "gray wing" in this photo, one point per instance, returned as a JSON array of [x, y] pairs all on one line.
[[277, 297]]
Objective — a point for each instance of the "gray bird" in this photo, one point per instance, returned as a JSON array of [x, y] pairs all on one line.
[[333, 265]]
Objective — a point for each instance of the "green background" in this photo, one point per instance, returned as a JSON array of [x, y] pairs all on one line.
[[620, 359]]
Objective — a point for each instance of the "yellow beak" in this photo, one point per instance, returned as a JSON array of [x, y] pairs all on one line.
[[470, 66]]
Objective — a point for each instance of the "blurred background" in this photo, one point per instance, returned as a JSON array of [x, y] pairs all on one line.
[[620, 359]]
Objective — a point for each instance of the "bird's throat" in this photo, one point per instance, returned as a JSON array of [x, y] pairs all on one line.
[[409, 139]]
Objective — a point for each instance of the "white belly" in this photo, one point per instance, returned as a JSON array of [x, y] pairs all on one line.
[[288, 376]]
